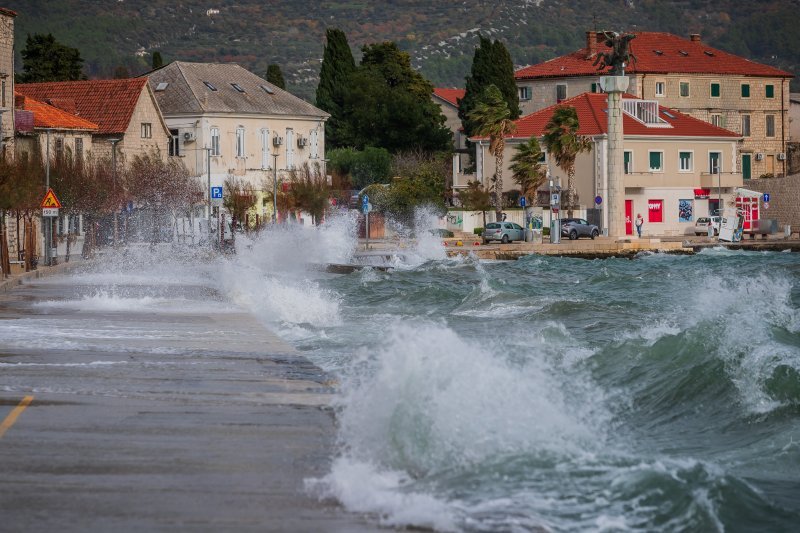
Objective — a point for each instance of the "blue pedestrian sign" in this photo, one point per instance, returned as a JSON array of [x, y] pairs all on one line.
[[216, 193], [766, 197], [522, 201]]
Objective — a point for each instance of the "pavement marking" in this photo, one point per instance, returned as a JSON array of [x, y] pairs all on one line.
[[12, 417]]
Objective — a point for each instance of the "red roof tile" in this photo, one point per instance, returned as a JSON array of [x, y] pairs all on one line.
[[451, 96], [47, 116], [108, 103], [593, 120], [677, 55]]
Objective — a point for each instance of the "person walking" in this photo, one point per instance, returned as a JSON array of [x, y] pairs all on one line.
[[639, 224]]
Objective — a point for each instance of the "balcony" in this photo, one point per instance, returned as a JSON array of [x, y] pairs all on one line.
[[726, 179], [680, 179]]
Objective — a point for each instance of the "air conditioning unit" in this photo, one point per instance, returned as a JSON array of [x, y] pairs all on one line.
[[759, 156], [188, 136], [302, 142], [781, 156], [277, 141]]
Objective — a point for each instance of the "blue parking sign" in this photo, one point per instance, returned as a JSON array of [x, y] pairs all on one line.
[[216, 193]]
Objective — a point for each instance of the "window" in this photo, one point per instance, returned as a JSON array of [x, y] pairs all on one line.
[[745, 125], [628, 162], [770, 91], [714, 162], [265, 148], [656, 161], [660, 88], [716, 120], [4, 93], [174, 143], [147, 130], [209, 85], [715, 90], [162, 86], [237, 87], [59, 147], [314, 143], [770, 125], [685, 160], [79, 149], [215, 141], [267, 89], [684, 89], [655, 210], [745, 90], [524, 93], [240, 142], [561, 92], [289, 149]]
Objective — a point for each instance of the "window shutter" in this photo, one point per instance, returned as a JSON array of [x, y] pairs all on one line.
[[715, 90], [655, 160]]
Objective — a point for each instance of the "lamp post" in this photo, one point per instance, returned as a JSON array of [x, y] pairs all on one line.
[[719, 190], [275, 188], [114, 184], [46, 224], [208, 195]]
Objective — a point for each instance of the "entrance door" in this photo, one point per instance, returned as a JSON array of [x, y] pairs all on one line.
[[746, 166], [771, 164], [628, 217]]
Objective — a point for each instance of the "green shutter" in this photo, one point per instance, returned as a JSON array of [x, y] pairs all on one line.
[[685, 157], [746, 166], [627, 165], [655, 160], [715, 90], [594, 87], [770, 91], [745, 90]]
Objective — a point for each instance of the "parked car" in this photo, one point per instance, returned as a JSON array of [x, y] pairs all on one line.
[[702, 224], [578, 227], [503, 232]]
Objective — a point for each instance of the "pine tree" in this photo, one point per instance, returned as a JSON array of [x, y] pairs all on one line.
[[275, 76], [337, 65], [491, 65], [158, 61], [45, 59]]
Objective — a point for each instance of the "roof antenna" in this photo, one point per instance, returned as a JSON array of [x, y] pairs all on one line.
[[594, 21]]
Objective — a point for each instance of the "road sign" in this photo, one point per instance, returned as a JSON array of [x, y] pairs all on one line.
[[50, 200], [216, 193], [598, 200], [522, 201], [766, 197], [366, 208], [766, 205], [49, 211], [555, 198]]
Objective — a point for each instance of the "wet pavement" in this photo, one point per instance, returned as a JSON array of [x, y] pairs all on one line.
[[156, 409]]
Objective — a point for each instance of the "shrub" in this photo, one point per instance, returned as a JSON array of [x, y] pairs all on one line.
[[477, 231], [373, 165], [546, 232]]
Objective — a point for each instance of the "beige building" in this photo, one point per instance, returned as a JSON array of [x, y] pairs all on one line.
[[125, 112], [6, 80], [447, 100], [46, 129], [243, 125], [671, 161], [745, 97]]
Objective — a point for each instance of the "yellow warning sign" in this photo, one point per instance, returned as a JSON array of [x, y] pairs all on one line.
[[50, 200]]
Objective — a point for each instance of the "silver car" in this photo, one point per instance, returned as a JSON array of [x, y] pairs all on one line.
[[578, 227], [503, 232]]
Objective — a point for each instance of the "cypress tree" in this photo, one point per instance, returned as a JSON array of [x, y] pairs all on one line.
[[491, 65], [158, 61], [275, 76], [337, 66]]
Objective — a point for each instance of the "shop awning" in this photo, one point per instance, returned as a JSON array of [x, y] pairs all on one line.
[[747, 193], [702, 194]]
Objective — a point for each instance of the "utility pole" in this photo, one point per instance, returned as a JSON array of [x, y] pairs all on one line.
[[46, 226], [114, 186], [208, 193]]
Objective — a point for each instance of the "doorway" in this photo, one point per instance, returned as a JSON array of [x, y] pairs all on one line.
[[628, 217]]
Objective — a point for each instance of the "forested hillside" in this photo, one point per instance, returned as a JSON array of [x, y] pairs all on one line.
[[440, 35]]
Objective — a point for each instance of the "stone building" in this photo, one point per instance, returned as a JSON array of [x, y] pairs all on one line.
[[124, 110], [670, 159], [447, 99], [6, 80], [723, 89], [242, 124], [38, 123]]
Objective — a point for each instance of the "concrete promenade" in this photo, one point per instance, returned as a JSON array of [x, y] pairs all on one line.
[[170, 418]]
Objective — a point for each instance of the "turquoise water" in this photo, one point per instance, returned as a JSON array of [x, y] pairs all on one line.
[[656, 394]]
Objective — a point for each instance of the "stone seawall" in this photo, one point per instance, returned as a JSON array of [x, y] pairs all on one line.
[[784, 203]]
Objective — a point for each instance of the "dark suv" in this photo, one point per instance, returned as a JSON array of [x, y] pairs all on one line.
[[578, 227]]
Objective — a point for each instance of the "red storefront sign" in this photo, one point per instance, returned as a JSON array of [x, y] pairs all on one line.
[[702, 194], [655, 210]]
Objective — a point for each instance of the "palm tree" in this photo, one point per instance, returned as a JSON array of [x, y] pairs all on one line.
[[563, 142], [527, 168], [491, 114]]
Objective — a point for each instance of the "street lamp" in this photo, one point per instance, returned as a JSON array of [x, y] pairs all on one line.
[[114, 185]]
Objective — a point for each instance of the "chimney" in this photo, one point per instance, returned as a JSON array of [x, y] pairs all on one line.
[[592, 38], [695, 37]]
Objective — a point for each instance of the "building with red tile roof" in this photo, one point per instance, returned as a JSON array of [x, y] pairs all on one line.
[[6, 80], [712, 85], [447, 99], [669, 159], [450, 96], [123, 110]]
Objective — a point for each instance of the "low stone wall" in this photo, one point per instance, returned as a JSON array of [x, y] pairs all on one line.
[[784, 202]]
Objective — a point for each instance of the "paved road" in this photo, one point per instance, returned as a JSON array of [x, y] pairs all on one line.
[[155, 408]]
